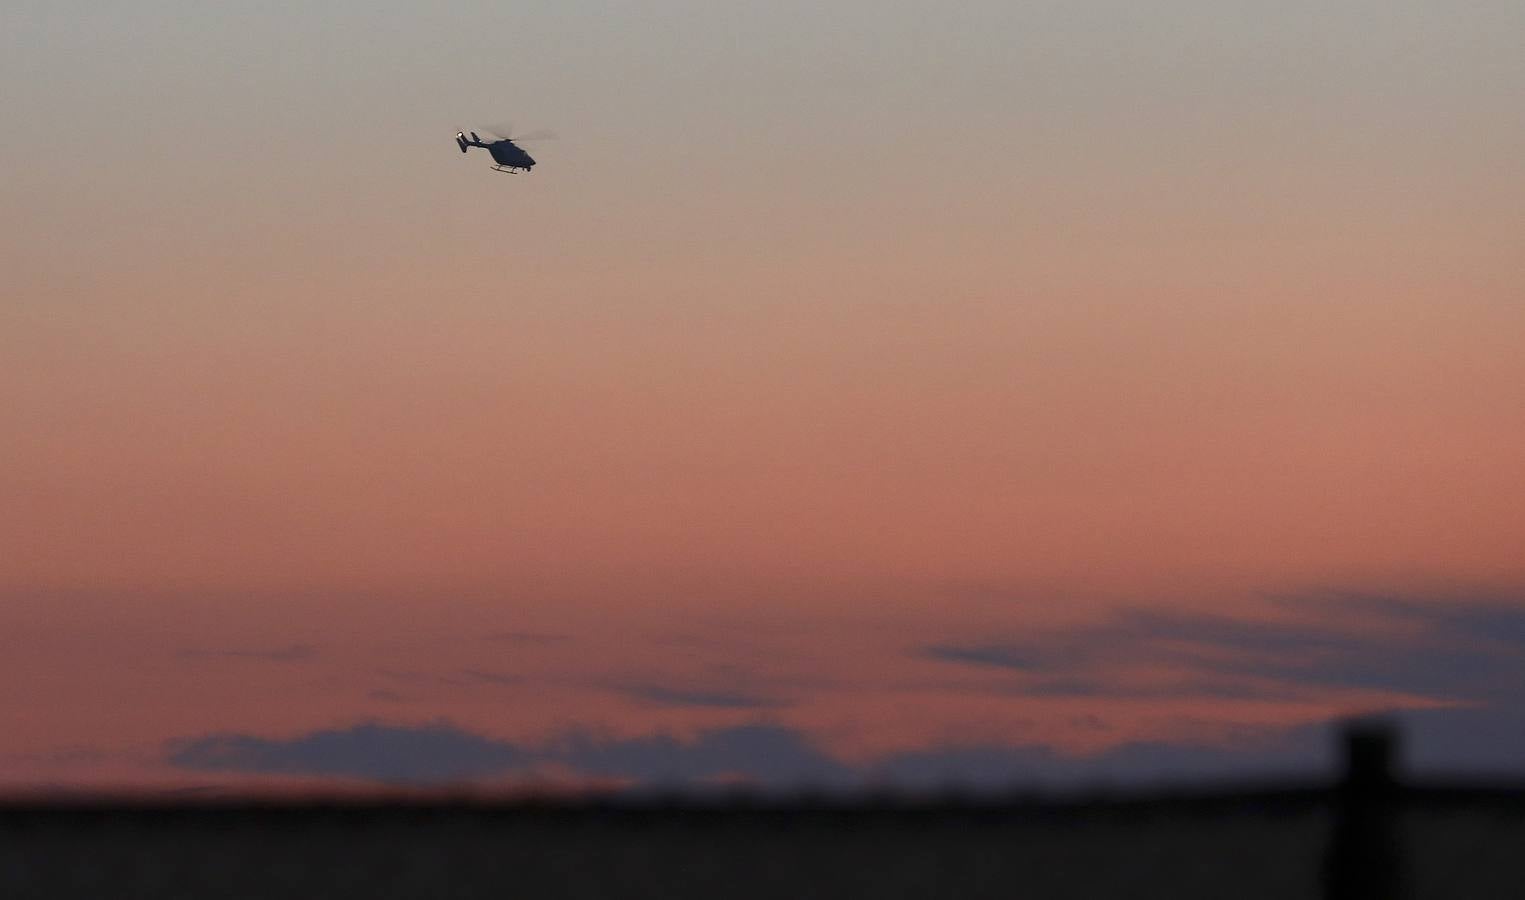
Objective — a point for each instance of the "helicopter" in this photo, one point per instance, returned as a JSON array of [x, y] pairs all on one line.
[[507, 155]]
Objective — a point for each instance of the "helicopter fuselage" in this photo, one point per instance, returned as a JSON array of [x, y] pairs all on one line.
[[509, 155]]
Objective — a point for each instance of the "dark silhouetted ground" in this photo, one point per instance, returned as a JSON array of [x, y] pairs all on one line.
[[1368, 836]]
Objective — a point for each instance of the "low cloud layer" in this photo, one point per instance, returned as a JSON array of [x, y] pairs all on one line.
[[427, 753], [1464, 656], [441, 752], [1475, 741], [768, 756]]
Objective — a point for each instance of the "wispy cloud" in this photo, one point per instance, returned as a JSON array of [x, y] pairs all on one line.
[[1216, 688], [483, 676], [724, 699], [428, 753], [72, 755], [1034, 657], [287, 653], [1446, 649], [534, 638]]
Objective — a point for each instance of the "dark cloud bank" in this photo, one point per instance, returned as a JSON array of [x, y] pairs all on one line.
[[1471, 653], [769, 756]]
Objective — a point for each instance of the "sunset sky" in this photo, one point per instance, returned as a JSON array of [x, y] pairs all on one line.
[[892, 390]]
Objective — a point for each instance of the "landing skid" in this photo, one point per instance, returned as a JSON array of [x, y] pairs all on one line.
[[510, 170]]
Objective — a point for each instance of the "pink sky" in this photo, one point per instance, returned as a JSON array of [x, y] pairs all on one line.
[[295, 423]]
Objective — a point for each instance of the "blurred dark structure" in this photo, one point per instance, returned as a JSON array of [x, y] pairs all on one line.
[[1371, 835], [1365, 860]]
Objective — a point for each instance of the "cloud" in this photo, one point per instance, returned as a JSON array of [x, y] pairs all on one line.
[[437, 752], [441, 752], [766, 754], [1481, 741], [1469, 652], [1033, 657], [288, 653], [1498, 618], [1440, 648], [527, 637], [723, 699], [1095, 686], [486, 677], [1478, 740], [1304, 752], [71, 755]]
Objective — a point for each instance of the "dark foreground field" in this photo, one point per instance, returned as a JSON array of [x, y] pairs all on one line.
[[1365, 837]]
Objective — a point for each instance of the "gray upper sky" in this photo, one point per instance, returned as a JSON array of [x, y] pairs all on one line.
[[250, 111]]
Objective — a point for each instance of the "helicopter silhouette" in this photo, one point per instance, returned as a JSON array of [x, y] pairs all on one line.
[[507, 155]]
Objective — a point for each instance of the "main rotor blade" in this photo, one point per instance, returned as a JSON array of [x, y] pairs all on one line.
[[506, 133]]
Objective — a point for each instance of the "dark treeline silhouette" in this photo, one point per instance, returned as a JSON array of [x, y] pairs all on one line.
[[1370, 835]]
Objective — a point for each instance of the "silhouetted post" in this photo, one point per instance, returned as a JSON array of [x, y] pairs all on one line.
[[1365, 858]]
